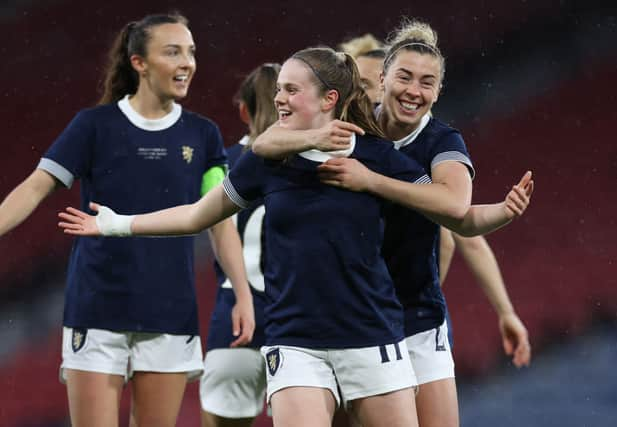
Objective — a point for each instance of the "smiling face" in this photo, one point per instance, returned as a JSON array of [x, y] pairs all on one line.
[[411, 87], [298, 101], [169, 64]]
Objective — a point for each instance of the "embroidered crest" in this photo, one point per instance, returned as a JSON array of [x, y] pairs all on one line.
[[78, 339], [187, 153], [273, 360]]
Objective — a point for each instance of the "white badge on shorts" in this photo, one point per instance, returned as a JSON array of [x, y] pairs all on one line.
[[78, 339], [274, 360]]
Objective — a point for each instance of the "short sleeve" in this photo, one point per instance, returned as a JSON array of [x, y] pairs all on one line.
[[69, 157], [451, 148], [246, 180]]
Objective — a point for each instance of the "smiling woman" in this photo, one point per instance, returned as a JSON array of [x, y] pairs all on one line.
[[138, 149]]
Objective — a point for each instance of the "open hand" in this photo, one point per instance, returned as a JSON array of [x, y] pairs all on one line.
[[80, 223]]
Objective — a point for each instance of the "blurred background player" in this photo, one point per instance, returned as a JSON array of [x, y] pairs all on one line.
[[233, 385]]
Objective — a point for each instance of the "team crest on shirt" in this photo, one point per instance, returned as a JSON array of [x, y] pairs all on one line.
[[187, 153], [78, 339], [274, 360]]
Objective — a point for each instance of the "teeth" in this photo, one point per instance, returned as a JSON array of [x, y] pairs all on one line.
[[409, 106], [181, 78]]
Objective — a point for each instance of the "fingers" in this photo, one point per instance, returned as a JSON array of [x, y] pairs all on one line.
[[529, 188], [508, 347], [245, 336], [350, 127], [94, 206], [522, 354], [77, 213], [525, 179]]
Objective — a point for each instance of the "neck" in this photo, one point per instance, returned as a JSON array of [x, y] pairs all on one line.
[[150, 106], [393, 130]]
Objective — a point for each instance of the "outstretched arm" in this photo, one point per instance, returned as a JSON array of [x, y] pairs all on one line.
[[277, 142], [227, 249], [482, 262], [24, 199], [484, 219], [446, 201], [179, 220]]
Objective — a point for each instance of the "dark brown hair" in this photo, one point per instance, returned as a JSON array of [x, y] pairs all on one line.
[[257, 92], [338, 71], [120, 78]]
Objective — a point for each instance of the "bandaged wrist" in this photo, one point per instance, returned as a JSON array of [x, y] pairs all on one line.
[[113, 224]]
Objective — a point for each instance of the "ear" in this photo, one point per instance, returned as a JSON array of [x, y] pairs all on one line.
[[328, 102], [382, 87], [139, 64], [244, 113]]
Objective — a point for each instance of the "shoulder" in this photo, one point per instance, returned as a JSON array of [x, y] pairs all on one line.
[[98, 112], [373, 144], [198, 120], [436, 130]]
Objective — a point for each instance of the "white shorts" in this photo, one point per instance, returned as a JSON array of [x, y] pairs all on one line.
[[123, 353], [356, 372], [233, 384], [430, 355]]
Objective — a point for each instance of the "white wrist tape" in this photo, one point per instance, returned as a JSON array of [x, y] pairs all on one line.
[[113, 224]]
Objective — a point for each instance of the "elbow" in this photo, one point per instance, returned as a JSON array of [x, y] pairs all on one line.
[[457, 212]]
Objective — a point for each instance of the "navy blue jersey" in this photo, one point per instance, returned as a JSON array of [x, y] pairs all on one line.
[[250, 227], [134, 165], [411, 242], [326, 282]]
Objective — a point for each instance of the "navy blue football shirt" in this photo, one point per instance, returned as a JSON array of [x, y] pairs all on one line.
[[134, 165], [411, 243], [326, 282]]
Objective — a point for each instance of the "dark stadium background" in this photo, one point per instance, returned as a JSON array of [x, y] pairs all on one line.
[[531, 84]]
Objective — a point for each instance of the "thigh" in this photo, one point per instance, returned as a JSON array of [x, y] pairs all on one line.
[[94, 397], [156, 398], [233, 384], [394, 409], [431, 355], [303, 407], [437, 404]]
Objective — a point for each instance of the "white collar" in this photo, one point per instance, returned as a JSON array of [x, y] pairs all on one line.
[[150, 124], [322, 156], [406, 140], [244, 140]]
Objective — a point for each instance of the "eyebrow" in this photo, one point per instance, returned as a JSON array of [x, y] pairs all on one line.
[[406, 71], [179, 45]]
